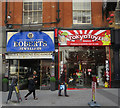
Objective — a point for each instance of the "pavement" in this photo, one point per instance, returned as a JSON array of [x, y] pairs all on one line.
[[104, 97]]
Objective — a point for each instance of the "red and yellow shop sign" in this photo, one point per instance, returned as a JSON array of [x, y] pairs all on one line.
[[84, 37]]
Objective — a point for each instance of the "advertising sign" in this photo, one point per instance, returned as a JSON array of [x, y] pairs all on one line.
[[84, 37], [107, 71], [27, 41], [30, 55]]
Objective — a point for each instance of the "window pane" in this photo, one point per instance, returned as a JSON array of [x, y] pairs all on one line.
[[35, 17], [83, 13], [75, 17], [83, 20], [84, 6], [39, 5], [39, 17], [77, 6], [88, 19], [74, 14], [25, 17], [35, 6], [81, 6], [26, 7], [87, 5], [86, 13], [30, 17], [79, 19], [79, 13], [30, 7]]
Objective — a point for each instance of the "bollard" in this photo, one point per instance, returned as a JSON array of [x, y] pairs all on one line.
[[93, 102]]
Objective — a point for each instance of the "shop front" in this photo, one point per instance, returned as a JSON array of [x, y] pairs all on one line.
[[85, 53], [27, 52]]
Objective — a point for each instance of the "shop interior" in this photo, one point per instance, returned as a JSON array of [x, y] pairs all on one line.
[[82, 63], [23, 68]]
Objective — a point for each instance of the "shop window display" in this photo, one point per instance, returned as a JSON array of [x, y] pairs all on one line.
[[82, 63], [19, 71], [24, 68]]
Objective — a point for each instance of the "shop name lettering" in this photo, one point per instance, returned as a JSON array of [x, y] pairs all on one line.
[[30, 45], [81, 37]]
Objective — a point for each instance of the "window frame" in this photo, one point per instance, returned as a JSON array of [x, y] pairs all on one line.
[[82, 10], [31, 11]]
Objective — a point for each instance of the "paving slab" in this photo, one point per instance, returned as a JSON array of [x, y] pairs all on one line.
[[81, 97]]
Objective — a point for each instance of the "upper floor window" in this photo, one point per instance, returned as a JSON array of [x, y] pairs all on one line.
[[32, 12], [117, 13], [81, 12]]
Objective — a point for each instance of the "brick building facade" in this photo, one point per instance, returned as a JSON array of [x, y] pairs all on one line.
[[50, 14], [54, 15]]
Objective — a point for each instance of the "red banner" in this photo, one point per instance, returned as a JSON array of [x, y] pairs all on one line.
[[84, 37]]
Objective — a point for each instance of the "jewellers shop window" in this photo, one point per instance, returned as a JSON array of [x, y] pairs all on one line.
[[117, 13], [32, 12], [81, 12]]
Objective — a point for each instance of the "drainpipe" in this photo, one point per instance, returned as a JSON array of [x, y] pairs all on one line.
[[6, 14], [58, 11]]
